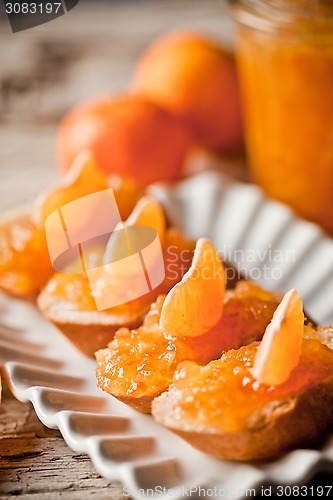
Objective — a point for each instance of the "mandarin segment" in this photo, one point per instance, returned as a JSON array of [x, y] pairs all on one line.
[[281, 346], [127, 193], [147, 213], [195, 305], [138, 365], [223, 410], [68, 300], [247, 311], [72, 287], [120, 367]]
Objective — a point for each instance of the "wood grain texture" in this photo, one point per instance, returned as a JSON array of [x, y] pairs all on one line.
[[35, 461]]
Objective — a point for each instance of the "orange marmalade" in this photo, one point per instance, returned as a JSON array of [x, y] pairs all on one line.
[[224, 394], [285, 58]]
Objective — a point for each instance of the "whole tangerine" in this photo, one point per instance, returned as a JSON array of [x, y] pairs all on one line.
[[196, 78], [128, 136]]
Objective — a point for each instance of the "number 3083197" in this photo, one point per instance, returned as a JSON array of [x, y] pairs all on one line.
[[32, 8]]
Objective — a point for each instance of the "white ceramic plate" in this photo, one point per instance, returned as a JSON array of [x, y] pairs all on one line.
[[41, 366]]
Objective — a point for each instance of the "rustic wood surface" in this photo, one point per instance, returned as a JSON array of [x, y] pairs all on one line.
[[43, 72]]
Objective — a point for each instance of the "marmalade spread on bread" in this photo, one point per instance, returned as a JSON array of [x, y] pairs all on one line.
[[225, 395]]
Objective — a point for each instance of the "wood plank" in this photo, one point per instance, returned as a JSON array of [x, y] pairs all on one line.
[[36, 462]]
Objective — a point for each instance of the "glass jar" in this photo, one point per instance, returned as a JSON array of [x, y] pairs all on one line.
[[284, 52]]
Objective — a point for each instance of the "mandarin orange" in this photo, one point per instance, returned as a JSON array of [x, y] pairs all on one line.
[[129, 136], [196, 78]]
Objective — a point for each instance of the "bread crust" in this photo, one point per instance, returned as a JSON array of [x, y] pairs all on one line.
[[279, 426], [89, 331], [89, 338], [142, 404]]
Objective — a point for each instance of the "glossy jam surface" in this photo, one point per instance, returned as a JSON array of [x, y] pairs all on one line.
[[224, 394], [286, 75], [247, 311], [24, 258], [143, 361], [76, 291], [322, 333], [138, 362]]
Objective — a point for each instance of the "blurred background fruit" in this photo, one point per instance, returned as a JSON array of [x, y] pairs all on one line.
[[197, 79], [128, 136]]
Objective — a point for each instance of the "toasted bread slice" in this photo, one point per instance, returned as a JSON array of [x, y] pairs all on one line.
[[87, 328], [68, 303], [138, 365], [222, 410]]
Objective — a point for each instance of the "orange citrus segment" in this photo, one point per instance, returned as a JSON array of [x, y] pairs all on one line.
[[82, 179], [224, 394], [126, 192], [195, 305], [146, 213], [75, 289], [281, 346], [139, 364]]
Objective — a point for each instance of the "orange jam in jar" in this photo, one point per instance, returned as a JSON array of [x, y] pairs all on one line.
[[284, 53]]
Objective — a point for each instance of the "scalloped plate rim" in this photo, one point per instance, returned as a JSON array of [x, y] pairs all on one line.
[[250, 475]]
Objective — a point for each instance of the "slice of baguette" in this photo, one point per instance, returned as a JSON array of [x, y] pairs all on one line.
[[87, 330], [289, 416], [138, 365]]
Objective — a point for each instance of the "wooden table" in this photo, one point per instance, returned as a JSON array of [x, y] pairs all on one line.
[[43, 72]]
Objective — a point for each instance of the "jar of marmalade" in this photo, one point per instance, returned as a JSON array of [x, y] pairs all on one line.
[[284, 51]]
